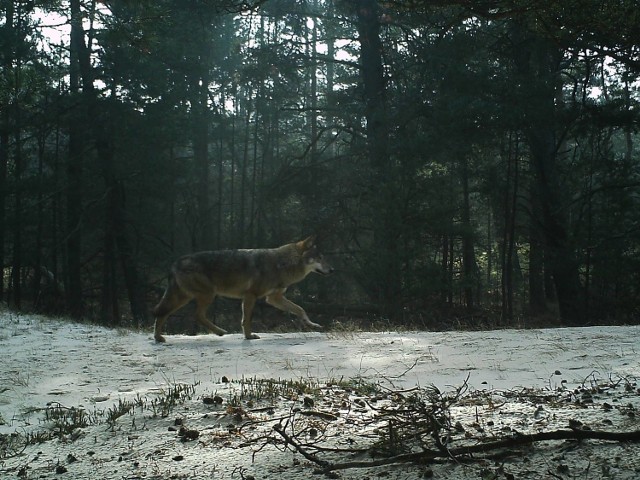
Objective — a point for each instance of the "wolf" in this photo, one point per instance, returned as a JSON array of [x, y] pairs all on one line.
[[247, 274]]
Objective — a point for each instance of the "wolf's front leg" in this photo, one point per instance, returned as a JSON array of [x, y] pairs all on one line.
[[248, 302], [278, 300], [308, 323]]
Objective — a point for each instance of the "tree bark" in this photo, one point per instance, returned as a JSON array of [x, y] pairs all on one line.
[[18, 168], [200, 129], [562, 259], [5, 134], [73, 276], [469, 265], [385, 218], [241, 236], [446, 279], [538, 62]]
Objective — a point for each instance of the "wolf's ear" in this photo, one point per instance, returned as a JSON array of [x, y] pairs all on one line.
[[307, 243]]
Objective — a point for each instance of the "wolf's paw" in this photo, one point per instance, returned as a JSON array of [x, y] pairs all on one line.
[[310, 324], [253, 336], [219, 331], [159, 338]]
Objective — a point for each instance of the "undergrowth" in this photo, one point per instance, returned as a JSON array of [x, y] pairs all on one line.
[[62, 422], [67, 423]]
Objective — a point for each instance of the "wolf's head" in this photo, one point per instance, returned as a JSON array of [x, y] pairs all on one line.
[[314, 261]]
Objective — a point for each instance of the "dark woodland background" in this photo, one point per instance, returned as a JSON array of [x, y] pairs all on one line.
[[462, 162]]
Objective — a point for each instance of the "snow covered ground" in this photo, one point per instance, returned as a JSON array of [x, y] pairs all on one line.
[[48, 367]]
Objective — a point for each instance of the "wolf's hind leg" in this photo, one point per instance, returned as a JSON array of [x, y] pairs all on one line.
[[202, 303], [279, 301], [172, 300]]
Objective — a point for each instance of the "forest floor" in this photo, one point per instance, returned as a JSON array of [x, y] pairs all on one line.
[[81, 401]]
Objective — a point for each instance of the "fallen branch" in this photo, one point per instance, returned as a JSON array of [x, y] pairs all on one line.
[[517, 440], [309, 456], [526, 439]]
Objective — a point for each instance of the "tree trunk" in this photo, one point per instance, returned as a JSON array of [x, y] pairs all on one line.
[[537, 298], [36, 283], [73, 280], [18, 167], [469, 266], [200, 129], [446, 280], [241, 237], [109, 308], [231, 239], [628, 129], [330, 82], [538, 62], [5, 135], [558, 245], [254, 163], [385, 218], [537, 291], [313, 91], [132, 281], [4, 159]]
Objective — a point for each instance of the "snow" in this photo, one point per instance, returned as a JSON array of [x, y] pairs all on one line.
[[48, 363]]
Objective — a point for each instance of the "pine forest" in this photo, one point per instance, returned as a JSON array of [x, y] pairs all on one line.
[[461, 163]]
